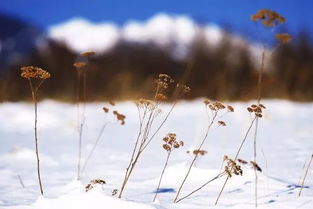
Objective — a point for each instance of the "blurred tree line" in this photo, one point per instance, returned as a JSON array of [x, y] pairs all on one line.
[[224, 72]]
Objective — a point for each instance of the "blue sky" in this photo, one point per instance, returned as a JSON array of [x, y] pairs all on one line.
[[233, 13]]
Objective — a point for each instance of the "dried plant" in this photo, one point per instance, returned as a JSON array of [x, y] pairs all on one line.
[[305, 175], [217, 110], [36, 76], [94, 182], [81, 69], [230, 168], [119, 118], [268, 19], [169, 144], [148, 111], [256, 112]]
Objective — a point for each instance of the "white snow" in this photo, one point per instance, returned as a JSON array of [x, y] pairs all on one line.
[[285, 141]]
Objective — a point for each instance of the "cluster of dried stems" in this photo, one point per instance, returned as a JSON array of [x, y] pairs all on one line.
[[36, 76], [217, 110], [148, 111]]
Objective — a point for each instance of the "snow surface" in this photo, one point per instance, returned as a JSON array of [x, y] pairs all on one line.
[[285, 141]]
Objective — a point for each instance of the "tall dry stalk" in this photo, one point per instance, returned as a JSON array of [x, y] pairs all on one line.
[[305, 175], [36, 76], [215, 108], [119, 118], [170, 143], [81, 69], [148, 111]]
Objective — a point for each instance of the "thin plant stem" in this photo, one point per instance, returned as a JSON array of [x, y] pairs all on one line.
[[34, 97], [202, 186], [237, 154], [305, 175], [165, 165], [81, 118], [260, 78], [195, 158], [95, 145]]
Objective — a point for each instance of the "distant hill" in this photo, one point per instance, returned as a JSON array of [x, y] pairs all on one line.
[[17, 39]]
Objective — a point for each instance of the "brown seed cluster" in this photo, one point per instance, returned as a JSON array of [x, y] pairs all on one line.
[[268, 17], [145, 104], [34, 72], [80, 65], [87, 53], [232, 167], [215, 106], [170, 142], [163, 81], [184, 88], [120, 117], [256, 109], [242, 161], [160, 97], [89, 186], [256, 166], [198, 152], [283, 38]]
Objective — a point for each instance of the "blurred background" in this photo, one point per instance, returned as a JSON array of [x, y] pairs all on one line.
[[136, 40]]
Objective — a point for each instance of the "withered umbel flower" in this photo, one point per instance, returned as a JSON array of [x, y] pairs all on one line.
[[283, 38], [32, 73], [268, 17], [170, 143], [87, 54]]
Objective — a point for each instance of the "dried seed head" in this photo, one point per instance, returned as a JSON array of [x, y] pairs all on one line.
[[80, 65], [88, 53], [268, 18], [200, 152], [170, 142], [34, 72], [259, 115], [283, 38], [120, 117], [105, 109], [242, 161], [206, 101], [230, 108], [160, 97], [249, 109], [256, 166], [112, 103], [221, 123]]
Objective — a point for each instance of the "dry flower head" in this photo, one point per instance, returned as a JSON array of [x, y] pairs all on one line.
[[34, 72], [268, 18], [87, 53], [79, 65], [170, 142], [120, 117], [232, 167], [93, 182], [283, 38], [257, 109]]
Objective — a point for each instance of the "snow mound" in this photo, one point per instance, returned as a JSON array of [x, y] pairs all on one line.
[[77, 198]]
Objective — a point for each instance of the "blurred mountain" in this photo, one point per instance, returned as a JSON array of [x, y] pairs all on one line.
[[18, 39]]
